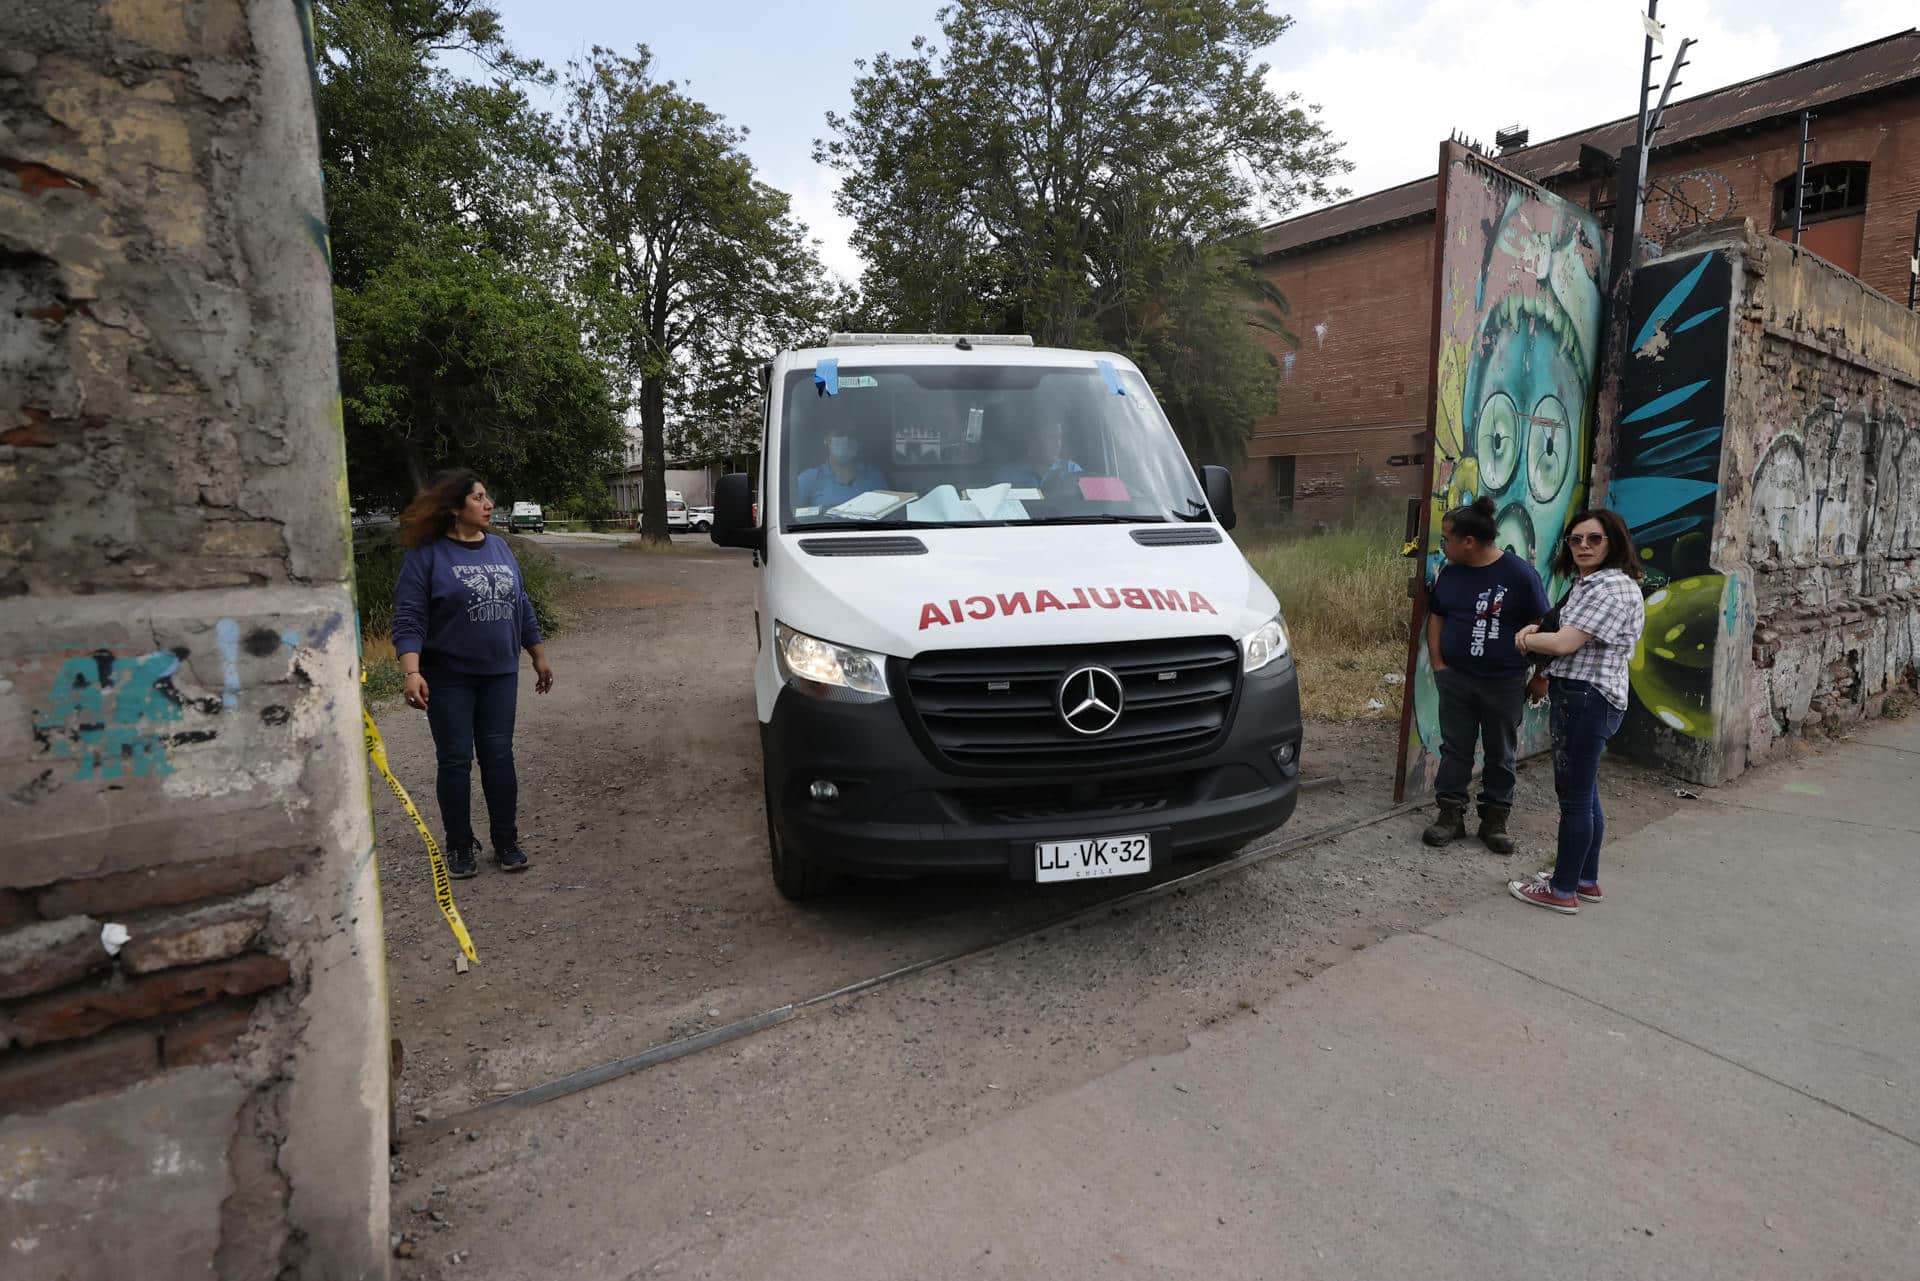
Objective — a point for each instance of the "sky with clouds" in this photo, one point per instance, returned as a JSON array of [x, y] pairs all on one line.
[[1391, 77]]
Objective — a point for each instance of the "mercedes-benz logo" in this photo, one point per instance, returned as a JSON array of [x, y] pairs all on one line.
[[1090, 700]]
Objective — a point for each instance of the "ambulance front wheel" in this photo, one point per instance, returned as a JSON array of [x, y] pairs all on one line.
[[794, 875]]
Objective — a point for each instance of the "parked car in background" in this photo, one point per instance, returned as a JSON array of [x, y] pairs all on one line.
[[527, 517], [676, 510], [700, 519]]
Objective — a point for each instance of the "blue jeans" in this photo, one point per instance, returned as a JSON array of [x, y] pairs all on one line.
[[473, 716], [1582, 721]]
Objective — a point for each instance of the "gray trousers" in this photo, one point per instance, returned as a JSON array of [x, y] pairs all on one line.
[[1486, 709]]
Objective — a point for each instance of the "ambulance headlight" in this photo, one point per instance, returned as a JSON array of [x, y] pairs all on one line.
[[1264, 646], [826, 670]]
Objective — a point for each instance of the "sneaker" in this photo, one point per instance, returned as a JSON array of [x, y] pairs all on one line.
[[1541, 894], [510, 856], [1587, 893], [463, 861]]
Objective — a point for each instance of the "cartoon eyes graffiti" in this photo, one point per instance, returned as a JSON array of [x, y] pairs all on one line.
[[1497, 441], [1549, 449], [1548, 445]]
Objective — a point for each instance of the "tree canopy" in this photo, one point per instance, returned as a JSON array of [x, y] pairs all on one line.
[[1090, 172]]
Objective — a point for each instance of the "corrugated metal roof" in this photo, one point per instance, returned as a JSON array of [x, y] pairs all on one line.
[[1863, 70]]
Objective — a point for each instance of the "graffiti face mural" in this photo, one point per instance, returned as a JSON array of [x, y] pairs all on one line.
[[1519, 284]]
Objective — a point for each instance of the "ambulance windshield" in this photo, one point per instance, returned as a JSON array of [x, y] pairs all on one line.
[[902, 446]]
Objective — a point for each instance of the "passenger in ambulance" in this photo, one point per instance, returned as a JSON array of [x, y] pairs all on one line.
[[1047, 462], [841, 478]]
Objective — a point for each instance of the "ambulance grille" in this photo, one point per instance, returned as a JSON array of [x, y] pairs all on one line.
[[997, 710]]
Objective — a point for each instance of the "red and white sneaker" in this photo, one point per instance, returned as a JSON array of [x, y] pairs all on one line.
[[1541, 894], [1587, 893]]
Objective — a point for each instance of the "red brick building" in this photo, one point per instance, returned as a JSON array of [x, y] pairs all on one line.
[[1352, 402]]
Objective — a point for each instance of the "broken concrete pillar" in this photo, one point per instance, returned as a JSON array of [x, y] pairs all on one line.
[[192, 1004]]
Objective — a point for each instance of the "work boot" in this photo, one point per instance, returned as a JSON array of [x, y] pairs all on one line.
[[1493, 829], [1451, 824], [508, 854], [463, 860]]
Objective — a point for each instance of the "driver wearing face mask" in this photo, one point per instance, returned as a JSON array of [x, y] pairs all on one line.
[[841, 478]]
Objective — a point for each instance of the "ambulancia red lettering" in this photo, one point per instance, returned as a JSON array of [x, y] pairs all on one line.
[[1006, 604]]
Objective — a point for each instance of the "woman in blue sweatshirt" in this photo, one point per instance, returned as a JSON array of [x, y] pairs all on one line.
[[460, 618]]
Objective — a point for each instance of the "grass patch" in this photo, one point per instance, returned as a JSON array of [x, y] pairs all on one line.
[[382, 666], [1344, 594]]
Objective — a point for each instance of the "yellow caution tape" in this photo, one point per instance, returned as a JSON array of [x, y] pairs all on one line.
[[442, 883]]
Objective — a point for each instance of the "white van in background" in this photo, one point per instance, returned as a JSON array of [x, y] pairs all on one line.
[[1001, 628]]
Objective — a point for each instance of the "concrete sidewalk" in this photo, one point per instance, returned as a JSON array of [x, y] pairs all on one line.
[[1712, 1074]]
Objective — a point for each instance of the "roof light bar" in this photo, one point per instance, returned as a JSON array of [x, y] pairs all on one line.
[[929, 340]]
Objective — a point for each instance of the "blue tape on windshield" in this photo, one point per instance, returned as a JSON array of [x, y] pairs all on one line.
[[1113, 379], [826, 375]]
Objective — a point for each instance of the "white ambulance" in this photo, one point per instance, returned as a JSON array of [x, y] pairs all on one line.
[[1001, 627]]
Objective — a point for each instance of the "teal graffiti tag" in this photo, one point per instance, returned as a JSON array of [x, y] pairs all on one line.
[[109, 714]]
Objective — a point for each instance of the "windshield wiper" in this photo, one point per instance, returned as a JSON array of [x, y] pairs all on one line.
[[1196, 510], [1095, 518]]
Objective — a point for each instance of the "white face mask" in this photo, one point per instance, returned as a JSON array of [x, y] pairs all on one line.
[[843, 449]]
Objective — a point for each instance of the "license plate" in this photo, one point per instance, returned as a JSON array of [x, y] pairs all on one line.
[[1087, 860]]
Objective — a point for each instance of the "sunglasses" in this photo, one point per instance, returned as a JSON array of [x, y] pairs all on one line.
[[1585, 540]]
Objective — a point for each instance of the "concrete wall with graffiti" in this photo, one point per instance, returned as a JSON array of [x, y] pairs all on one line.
[[1767, 457], [193, 1033], [1518, 310]]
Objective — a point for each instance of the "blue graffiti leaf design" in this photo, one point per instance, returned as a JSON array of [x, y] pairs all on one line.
[[1671, 303], [1667, 430], [1732, 611], [1660, 405], [1699, 318], [1645, 499], [1677, 448], [1665, 529], [1705, 464]]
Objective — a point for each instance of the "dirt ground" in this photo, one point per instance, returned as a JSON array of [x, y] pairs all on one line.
[[649, 914]]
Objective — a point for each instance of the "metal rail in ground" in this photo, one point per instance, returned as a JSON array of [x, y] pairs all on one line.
[[670, 1051]]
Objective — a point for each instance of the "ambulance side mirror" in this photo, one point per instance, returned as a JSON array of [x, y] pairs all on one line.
[[1219, 482], [735, 522]]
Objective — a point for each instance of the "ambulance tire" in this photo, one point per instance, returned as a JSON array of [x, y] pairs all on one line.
[[797, 878]]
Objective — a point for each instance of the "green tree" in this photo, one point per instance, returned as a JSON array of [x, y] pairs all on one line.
[[690, 265], [457, 343], [1090, 172], [452, 357]]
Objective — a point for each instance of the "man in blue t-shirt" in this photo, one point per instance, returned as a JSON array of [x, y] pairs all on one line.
[[1478, 600], [841, 478]]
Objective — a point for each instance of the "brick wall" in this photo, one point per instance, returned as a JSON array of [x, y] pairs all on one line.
[[192, 1009], [1353, 393], [1734, 178]]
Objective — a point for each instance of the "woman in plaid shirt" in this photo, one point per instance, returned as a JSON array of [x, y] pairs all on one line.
[[1600, 623]]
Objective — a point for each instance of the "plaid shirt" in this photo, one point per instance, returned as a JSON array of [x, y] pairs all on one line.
[[1607, 606]]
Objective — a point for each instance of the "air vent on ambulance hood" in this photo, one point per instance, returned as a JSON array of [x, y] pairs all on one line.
[[863, 546], [1176, 537]]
